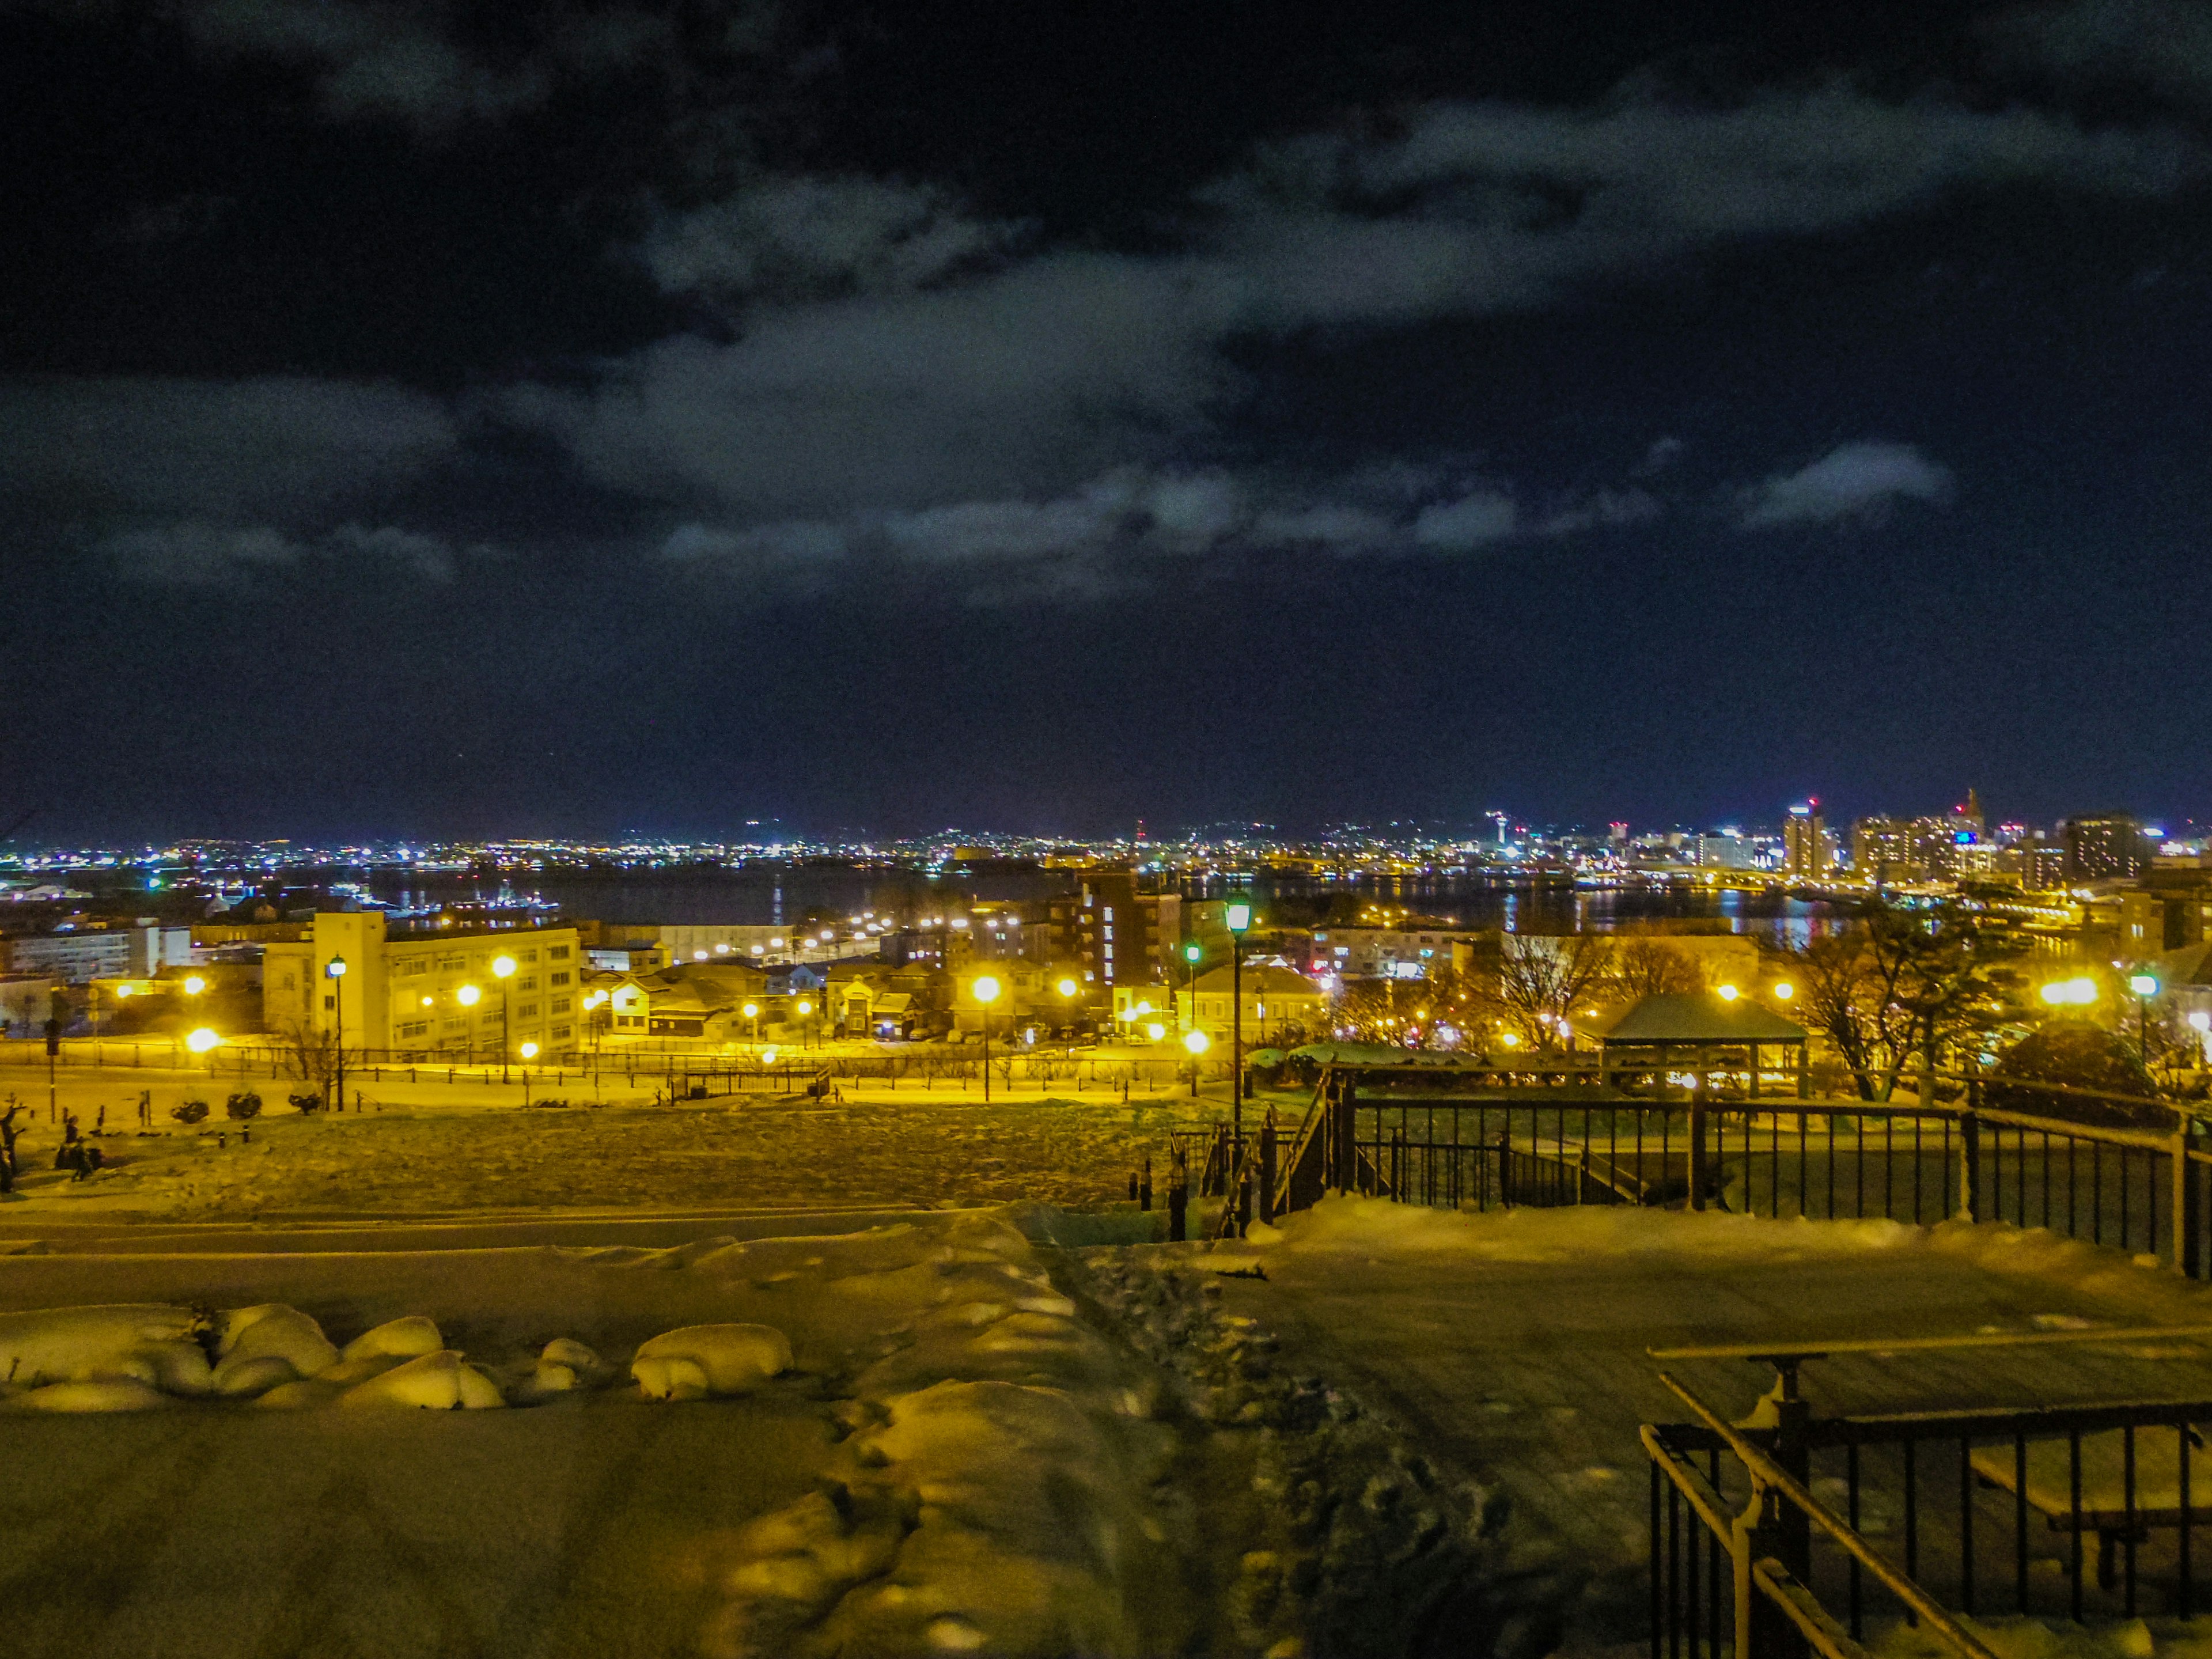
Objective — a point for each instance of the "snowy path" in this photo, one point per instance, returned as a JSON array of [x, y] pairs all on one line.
[[1514, 1346]]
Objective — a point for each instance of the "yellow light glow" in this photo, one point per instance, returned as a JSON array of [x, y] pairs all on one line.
[[202, 1040], [428, 1001], [1511, 1039], [752, 1011], [122, 990], [1784, 990], [467, 996], [502, 966], [1197, 1041], [2076, 992], [985, 989], [1727, 993], [1156, 1030], [194, 985], [1067, 988], [768, 1056], [529, 1051], [805, 1007]]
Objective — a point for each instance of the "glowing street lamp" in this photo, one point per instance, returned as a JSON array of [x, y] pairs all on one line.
[[1784, 990], [502, 967], [752, 1015], [336, 970], [2145, 986], [985, 992], [194, 985], [1197, 1042], [2070, 992], [201, 1041], [1727, 993]]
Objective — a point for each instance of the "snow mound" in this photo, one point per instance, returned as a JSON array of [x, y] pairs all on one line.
[[699, 1360], [399, 1339], [120, 1394], [274, 1331], [432, 1381], [147, 1343], [253, 1374]]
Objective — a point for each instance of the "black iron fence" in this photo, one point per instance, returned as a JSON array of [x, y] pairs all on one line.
[[1811, 1532], [1834, 1159]]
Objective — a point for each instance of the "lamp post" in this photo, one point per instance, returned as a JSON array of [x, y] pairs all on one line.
[[1239, 917], [1191, 953], [985, 992], [503, 967], [1068, 990], [529, 1053], [2145, 986], [752, 1018], [337, 971], [468, 996], [1197, 1042]]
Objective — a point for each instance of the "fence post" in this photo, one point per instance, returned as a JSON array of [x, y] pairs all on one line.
[[1267, 1168], [2188, 1211], [1970, 1155], [1504, 1169], [1178, 1197], [1697, 1145], [1347, 1149]]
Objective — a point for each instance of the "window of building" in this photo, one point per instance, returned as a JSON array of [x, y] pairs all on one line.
[[556, 953], [461, 1024], [528, 983], [530, 955], [528, 1011], [558, 979], [563, 1005], [414, 1029], [560, 1031]]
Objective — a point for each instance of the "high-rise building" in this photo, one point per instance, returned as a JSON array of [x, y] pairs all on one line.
[[2103, 846], [1805, 842]]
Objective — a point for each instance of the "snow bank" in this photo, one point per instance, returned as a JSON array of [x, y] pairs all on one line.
[[272, 1331], [432, 1381], [2033, 1639], [148, 1343], [398, 1339], [121, 1396], [702, 1360]]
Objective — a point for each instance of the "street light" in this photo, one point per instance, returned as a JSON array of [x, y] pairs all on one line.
[[194, 985], [337, 971], [2070, 992], [1784, 990], [752, 1014], [1197, 1042], [985, 992], [2145, 986], [1727, 993], [1239, 917], [202, 1041], [502, 967]]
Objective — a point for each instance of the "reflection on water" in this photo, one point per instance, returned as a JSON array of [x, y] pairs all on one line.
[[767, 896]]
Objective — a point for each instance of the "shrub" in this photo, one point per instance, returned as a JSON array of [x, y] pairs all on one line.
[[306, 1102], [246, 1105], [2079, 1055], [192, 1111]]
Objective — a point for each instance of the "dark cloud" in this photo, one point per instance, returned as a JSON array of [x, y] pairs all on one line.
[[197, 553], [2163, 46], [1851, 481], [212, 447]]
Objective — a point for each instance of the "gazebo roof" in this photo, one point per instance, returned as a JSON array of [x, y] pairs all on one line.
[[1689, 1020]]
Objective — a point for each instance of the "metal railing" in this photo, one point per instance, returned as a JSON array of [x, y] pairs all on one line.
[[1942, 1513], [1559, 1142]]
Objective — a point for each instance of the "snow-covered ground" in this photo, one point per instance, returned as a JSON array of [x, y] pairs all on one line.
[[911, 1150], [229, 1454], [1511, 1349]]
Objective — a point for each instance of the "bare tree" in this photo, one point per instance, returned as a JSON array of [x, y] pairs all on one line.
[[1541, 981], [310, 1053], [1652, 968]]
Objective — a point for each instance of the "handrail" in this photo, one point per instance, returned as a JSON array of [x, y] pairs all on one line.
[[1772, 1474], [1922, 1344]]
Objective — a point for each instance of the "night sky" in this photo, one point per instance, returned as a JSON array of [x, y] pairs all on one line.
[[426, 419]]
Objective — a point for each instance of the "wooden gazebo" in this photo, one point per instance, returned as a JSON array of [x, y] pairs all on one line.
[[1702, 1033]]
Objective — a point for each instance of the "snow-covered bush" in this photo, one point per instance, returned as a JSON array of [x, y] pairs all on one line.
[[247, 1104], [192, 1111]]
